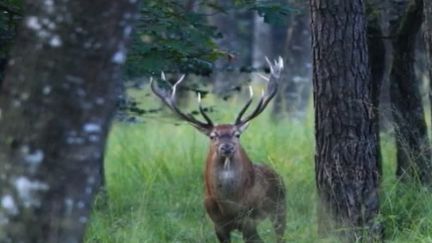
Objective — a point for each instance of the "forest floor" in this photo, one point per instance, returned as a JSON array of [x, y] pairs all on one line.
[[154, 174]]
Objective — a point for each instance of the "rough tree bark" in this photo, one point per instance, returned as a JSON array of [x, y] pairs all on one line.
[[346, 143], [56, 104], [412, 144]]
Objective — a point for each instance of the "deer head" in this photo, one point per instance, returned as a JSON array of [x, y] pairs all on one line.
[[224, 137]]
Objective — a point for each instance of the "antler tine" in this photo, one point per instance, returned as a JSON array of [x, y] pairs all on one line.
[[263, 77], [269, 64], [245, 107], [169, 100], [267, 95], [174, 87], [201, 109]]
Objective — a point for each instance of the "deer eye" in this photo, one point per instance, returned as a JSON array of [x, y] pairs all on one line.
[[212, 136], [236, 134]]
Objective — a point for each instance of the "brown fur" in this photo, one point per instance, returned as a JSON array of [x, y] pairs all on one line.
[[240, 195]]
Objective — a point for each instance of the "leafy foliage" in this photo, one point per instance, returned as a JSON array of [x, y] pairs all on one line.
[[173, 36], [273, 13]]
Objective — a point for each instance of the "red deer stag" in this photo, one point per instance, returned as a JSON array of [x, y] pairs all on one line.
[[238, 194]]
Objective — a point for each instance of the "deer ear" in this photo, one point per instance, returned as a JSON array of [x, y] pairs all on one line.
[[242, 127]]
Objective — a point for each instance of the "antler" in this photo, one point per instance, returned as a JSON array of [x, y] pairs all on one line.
[[170, 100], [267, 95]]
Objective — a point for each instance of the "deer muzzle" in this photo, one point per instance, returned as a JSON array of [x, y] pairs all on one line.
[[226, 149]]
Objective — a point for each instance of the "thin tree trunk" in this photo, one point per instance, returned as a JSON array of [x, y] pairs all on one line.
[[261, 39], [296, 77], [57, 101], [223, 77], [346, 143], [260, 45], [298, 73], [236, 29], [377, 62], [412, 144], [428, 41], [9, 18]]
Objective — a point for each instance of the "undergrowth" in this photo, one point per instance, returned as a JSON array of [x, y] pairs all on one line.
[[155, 183]]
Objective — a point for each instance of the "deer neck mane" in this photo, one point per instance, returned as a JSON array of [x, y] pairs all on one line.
[[229, 176]]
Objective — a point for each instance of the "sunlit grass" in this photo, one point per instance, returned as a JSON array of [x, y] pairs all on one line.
[[155, 182]]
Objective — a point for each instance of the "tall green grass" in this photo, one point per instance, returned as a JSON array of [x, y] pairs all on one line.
[[155, 183]]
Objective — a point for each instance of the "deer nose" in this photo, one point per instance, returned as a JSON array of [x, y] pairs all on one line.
[[226, 149]]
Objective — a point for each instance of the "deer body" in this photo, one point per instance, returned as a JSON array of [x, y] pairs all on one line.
[[238, 194]]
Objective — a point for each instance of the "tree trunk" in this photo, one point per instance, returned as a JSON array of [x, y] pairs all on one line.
[[428, 42], [261, 46], [57, 101], [346, 143], [377, 62], [236, 29], [261, 42], [296, 77], [298, 71], [8, 21], [413, 153]]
